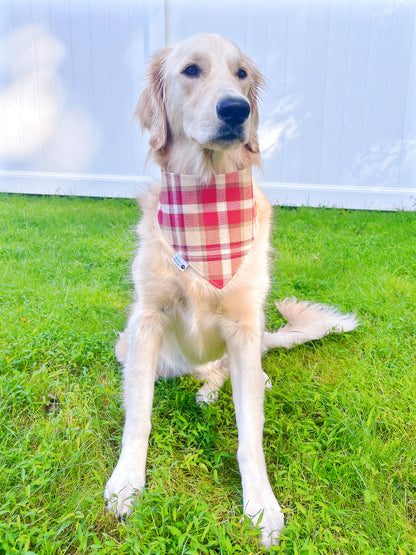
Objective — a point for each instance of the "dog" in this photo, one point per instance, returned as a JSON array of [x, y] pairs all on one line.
[[198, 305]]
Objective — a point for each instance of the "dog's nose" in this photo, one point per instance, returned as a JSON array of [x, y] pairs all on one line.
[[233, 111]]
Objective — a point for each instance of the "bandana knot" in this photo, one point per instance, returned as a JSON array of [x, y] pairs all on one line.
[[210, 225]]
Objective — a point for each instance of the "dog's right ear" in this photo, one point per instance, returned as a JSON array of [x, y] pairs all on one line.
[[150, 109]]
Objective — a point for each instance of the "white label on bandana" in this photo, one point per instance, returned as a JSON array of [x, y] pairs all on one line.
[[180, 262]]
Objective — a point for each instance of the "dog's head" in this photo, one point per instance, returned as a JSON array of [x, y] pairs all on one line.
[[203, 89]]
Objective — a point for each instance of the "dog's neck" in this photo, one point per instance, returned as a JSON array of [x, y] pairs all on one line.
[[185, 157]]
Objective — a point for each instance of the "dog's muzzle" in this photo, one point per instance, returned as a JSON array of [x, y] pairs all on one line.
[[233, 113]]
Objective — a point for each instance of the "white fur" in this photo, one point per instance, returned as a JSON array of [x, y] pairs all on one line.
[[179, 322]]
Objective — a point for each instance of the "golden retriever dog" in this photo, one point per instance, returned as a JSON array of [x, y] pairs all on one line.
[[200, 107]]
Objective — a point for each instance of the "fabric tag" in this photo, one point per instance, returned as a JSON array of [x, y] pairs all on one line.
[[180, 262]]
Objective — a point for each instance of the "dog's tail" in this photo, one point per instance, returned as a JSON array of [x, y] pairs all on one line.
[[306, 322]]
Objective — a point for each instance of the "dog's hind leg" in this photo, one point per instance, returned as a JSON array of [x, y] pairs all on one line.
[[213, 374]]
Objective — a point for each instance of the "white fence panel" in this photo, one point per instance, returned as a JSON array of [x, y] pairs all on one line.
[[338, 125], [70, 75], [338, 118]]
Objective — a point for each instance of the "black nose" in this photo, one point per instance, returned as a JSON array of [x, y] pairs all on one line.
[[233, 111]]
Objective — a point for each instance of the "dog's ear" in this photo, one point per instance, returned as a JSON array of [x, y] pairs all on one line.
[[150, 109], [253, 97]]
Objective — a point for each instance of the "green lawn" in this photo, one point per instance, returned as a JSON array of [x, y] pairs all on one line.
[[340, 432]]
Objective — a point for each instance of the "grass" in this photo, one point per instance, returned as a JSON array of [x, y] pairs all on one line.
[[340, 421]]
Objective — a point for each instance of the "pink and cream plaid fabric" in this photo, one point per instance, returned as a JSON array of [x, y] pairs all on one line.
[[210, 225]]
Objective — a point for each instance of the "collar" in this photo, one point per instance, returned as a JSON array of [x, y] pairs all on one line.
[[209, 225]]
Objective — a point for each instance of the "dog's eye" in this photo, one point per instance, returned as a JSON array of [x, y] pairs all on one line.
[[192, 71], [241, 73]]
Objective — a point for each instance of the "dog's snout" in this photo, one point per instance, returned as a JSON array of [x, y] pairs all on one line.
[[233, 111]]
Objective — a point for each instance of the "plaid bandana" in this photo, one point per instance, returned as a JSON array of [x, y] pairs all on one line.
[[210, 226]]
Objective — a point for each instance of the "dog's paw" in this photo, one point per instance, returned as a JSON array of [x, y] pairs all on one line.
[[206, 395], [269, 518], [121, 490], [267, 381]]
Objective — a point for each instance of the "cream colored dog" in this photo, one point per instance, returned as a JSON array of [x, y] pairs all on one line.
[[200, 106]]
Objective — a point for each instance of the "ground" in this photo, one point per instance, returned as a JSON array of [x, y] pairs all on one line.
[[340, 419]]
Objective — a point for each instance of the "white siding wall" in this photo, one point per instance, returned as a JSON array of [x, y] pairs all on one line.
[[338, 118]]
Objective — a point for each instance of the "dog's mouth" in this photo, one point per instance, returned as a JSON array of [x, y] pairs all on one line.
[[228, 137]]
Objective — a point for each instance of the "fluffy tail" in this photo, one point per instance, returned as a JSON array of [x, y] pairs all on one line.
[[307, 321]]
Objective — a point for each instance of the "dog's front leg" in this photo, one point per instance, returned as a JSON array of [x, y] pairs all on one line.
[[139, 372], [260, 504]]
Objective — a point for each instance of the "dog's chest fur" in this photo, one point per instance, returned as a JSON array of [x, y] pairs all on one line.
[[192, 336]]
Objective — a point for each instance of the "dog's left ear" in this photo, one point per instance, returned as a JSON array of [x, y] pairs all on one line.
[[253, 97]]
